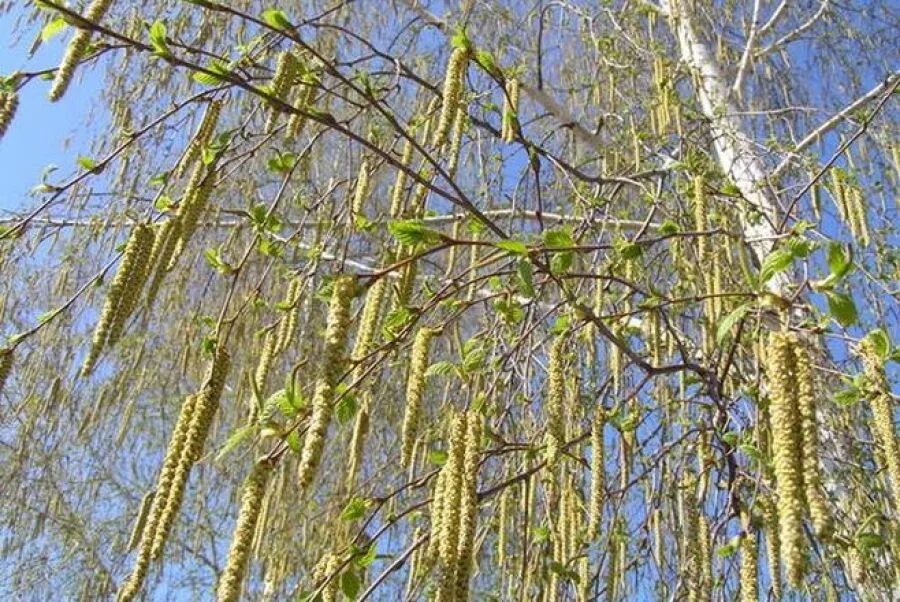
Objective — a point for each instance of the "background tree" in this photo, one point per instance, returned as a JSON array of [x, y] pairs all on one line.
[[500, 300]]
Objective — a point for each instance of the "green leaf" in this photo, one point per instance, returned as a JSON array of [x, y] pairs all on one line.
[[440, 369], [437, 457], [235, 439], [355, 508], [729, 321], [847, 397], [52, 28], [350, 584], [525, 278], [775, 262], [869, 540], [413, 232], [880, 341], [561, 261], [842, 308], [158, 39], [346, 409], [729, 549], [293, 441], [515, 247], [557, 239], [839, 262], [368, 558], [668, 227], [631, 250], [87, 163], [276, 18]]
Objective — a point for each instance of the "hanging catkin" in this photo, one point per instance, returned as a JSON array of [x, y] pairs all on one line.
[[510, 110], [448, 546], [254, 490], [207, 403], [468, 507], [598, 474], [9, 102], [286, 70], [133, 584], [269, 348], [453, 85], [193, 204], [360, 193], [556, 391], [201, 137], [882, 420], [459, 128], [120, 299], [807, 396], [287, 327], [773, 546], [330, 370], [787, 443], [415, 388], [140, 521], [76, 49], [749, 557]]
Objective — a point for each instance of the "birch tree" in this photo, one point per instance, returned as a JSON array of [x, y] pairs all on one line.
[[413, 300]]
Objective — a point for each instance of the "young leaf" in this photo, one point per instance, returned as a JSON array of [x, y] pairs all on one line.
[[842, 308], [275, 18]]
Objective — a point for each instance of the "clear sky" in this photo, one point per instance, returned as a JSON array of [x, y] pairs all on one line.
[[42, 132]]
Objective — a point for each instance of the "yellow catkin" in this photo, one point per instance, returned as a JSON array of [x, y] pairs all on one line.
[[459, 128], [368, 324], [206, 405], [448, 559], [270, 343], [122, 292], [282, 81], [598, 474], [330, 371], [773, 546], [194, 201], [807, 397], [163, 249], [510, 110], [360, 193], [556, 391], [748, 575], [201, 137], [882, 421], [133, 584], [357, 441], [287, 327], [302, 100], [415, 388], [140, 521], [502, 520], [437, 509], [76, 49], [787, 442], [254, 490], [704, 550], [9, 102], [468, 507], [453, 85], [6, 362], [144, 238], [400, 182]]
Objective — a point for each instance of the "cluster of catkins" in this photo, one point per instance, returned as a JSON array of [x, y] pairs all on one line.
[[454, 509], [9, 102], [78, 45], [556, 393], [287, 71], [850, 205], [330, 371], [415, 389], [792, 394], [184, 450], [122, 298], [882, 404], [254, 490]]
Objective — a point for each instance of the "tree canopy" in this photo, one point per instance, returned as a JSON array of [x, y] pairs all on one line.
[[447, 300]]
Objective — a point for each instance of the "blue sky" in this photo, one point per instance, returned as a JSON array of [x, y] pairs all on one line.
[[41, 131]]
